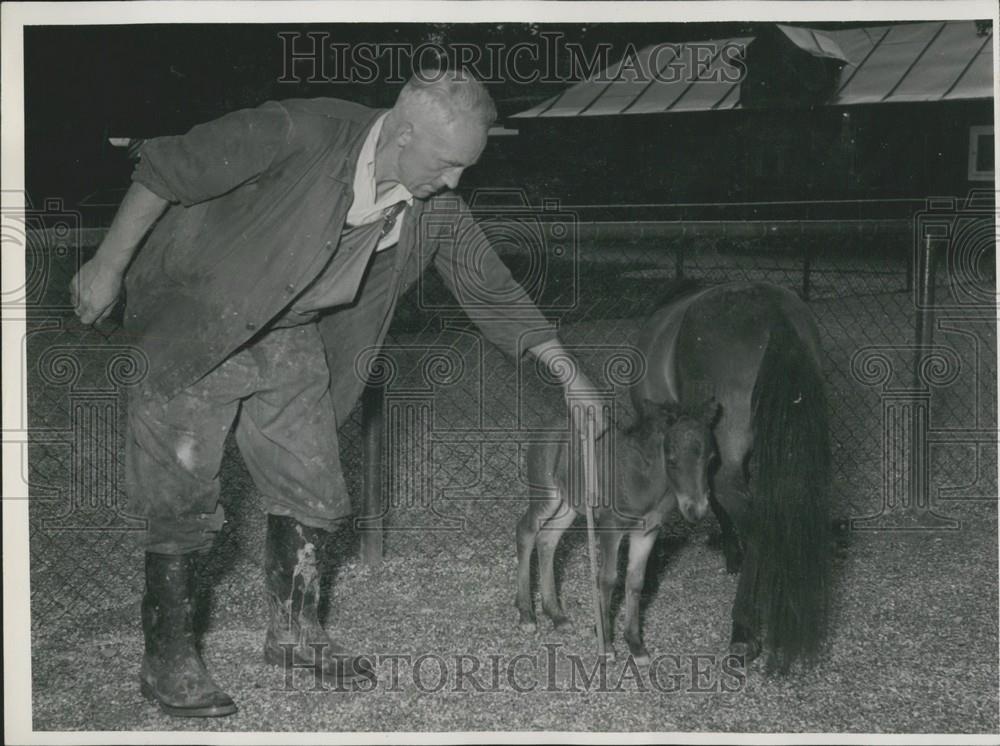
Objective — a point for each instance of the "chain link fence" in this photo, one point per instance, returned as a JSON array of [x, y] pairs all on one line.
[[459, 415]]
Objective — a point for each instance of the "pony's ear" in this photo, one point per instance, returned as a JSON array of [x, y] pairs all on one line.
[[710, 411]]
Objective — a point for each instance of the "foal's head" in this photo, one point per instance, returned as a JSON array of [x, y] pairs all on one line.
[[688, 450]]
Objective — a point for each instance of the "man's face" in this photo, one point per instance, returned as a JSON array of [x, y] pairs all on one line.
[[435, 154]]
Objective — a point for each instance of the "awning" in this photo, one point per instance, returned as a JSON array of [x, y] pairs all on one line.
[[926, 61]]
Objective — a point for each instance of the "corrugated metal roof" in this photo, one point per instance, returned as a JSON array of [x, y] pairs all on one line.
[[814, 42], [927, 61]]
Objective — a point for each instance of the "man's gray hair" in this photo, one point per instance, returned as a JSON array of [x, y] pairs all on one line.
[[454, 93]]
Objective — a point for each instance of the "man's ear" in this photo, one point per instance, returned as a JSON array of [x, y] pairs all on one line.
[[404, 134]]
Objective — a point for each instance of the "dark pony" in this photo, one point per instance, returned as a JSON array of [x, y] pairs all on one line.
[[755, 348]]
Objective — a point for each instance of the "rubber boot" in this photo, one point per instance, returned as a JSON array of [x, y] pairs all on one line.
[[173, 674], [295, 638]]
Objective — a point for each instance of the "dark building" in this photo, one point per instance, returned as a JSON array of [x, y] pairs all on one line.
[[877, 114]]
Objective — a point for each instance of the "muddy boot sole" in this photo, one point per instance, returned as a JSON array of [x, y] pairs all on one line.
[[205, 711]]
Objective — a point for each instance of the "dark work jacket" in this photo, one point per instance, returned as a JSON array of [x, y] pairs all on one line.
[[257, 197]]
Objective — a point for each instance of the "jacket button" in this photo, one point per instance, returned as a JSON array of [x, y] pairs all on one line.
[[289, 289], [251, 326]]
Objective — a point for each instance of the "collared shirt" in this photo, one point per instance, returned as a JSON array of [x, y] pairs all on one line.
[[367, 207]]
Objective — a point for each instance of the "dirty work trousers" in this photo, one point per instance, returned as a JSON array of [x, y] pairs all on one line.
[[289, 390], [286, 432]]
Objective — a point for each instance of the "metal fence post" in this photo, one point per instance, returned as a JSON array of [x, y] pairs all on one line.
[[919, 504], [924, 322]]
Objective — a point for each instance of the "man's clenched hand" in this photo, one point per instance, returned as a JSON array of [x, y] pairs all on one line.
[[94, 291], [97, 285]]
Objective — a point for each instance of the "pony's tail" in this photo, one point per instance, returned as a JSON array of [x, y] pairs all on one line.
[[790, 521]]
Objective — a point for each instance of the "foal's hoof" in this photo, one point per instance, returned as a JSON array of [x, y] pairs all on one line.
[[641, 658], [562, 624], [638, 653], [526, 621]]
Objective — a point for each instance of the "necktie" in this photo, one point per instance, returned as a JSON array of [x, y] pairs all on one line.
[[389, 216]]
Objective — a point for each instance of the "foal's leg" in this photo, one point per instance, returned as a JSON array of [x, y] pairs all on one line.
[[544, 503], [610, 542], [548, 539], [640, 545]]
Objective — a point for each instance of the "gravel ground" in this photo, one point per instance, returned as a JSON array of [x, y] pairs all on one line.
[[913, 649]]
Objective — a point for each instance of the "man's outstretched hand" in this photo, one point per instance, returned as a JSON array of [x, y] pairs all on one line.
[[582, 397]]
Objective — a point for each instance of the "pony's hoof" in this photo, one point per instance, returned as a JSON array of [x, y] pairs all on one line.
[[731, 551], [528, 627], [744, 652]]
